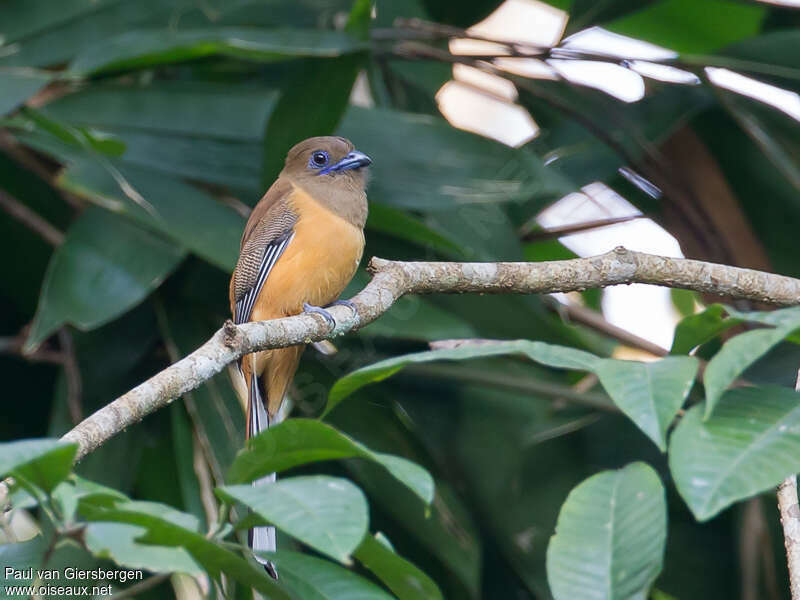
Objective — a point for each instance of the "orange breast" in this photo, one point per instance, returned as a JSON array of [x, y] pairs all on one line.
[[317, 264]]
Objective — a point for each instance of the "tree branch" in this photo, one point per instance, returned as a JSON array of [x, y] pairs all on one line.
[[391, 280], [790, 521]]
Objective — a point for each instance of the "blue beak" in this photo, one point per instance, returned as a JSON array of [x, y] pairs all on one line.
[[354, 160]]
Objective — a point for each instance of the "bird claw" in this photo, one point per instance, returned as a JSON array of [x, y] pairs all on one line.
[[318, 310], [346, 303]]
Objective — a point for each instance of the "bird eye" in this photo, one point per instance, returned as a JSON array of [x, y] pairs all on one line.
[[319, 158]]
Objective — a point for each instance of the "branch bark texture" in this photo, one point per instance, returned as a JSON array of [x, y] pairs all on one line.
[[391, 280]]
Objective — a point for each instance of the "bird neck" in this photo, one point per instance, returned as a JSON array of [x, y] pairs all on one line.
[[341, 196]]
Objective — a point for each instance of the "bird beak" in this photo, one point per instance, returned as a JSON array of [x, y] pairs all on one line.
[[354, 160]]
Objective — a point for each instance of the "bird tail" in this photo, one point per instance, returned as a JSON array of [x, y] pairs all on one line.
[[261, 538]]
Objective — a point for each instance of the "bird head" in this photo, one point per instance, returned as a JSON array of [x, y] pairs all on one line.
[[330, 161]]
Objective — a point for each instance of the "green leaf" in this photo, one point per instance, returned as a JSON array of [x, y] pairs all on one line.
[[359, 18], [69, 493], [740, 352], [300, 441], [105, 267], [17, 85], [695, 330], [193, 109], [327, 513], [775, 132], [689, 26], [775, 48], [148, 48], [648, 393], [610, 536], [291, 120], [750, 443], [169, 527], [447, 166], [683, 301], [312, 578], [21, 556], [84, 139], [42, 462], [166, 210], [397, 223], [118, 542], [406, 581], [554, 356], [585, 13]]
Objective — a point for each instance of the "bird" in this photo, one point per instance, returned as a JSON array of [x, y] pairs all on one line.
[[300, 248]]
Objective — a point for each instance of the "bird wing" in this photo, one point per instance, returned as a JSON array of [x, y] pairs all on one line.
[[267, 234]]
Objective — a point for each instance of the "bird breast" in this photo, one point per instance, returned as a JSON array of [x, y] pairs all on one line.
[[318, 263]]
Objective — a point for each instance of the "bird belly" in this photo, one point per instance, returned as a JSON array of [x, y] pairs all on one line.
[[316, 266]]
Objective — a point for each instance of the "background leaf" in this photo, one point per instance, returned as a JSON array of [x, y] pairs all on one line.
[[748, 445], [43, 463], [299, 441], [610, 536], [327, 513], [104, 267], [405, 580]]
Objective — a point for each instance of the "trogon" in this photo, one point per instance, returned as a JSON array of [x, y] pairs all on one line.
[[300, 248]]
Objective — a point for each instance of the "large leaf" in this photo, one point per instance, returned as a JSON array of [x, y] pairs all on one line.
[[195, 109], [291, 121], [750, 443], [118, 541], [741, 351], [427, 164], [649, 393], [173, 208], [43, 462], [327, 513], [44, 33], [169, 527], [17, 85], [405, 580], [300, 441], [447, 167], [105, 266], [146, 48], [312, 578], [610, 536], [689, 26]]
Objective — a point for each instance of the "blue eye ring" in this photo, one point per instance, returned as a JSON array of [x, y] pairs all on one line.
[[318, 159]]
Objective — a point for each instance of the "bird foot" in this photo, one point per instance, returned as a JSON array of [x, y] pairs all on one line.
[[346, 303], [318, 310]]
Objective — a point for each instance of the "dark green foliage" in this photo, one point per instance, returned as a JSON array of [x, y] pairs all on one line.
[[142, 131]]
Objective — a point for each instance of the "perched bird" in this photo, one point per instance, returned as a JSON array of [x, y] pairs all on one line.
[[300, 248]]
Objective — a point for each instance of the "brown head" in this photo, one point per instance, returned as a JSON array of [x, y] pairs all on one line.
[[334, 173]]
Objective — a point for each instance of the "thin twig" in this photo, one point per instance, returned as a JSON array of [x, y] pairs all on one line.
[[73, 375], [392, 280], [30, 219], [790, 520], [13, 345], [549, 233], [594, 320]]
